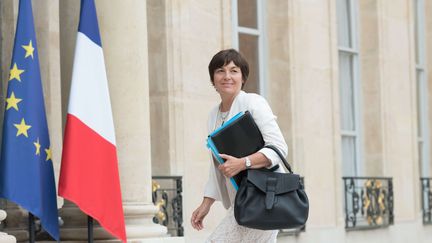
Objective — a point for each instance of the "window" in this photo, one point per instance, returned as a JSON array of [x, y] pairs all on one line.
[[349, 85], [421, 88], [248, 38]]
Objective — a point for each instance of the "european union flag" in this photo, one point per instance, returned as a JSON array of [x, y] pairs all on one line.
[[26, 170]]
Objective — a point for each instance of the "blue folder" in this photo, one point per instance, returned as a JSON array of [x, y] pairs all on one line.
[[238, 137]]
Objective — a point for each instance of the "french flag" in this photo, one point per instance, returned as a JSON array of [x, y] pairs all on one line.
[[89, 169]]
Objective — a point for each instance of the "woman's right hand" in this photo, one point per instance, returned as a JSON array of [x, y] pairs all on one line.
[[199, 214]]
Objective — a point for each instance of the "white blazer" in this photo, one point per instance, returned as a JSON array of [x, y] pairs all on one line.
[[266, 122]]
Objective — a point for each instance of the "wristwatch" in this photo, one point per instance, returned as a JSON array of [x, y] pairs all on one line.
[[248, 163]]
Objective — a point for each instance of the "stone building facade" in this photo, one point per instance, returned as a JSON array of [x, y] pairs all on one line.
[[348, 79]]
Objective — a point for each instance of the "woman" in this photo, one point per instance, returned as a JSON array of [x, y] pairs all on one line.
[[228, 72]]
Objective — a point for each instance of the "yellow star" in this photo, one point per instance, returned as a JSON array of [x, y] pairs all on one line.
[[22, 128], [12, 102], [29, 50], [48, 153], [37, 145], [15, 73]]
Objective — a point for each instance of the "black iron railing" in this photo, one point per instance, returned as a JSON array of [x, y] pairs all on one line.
[[426, 191], [167, 196], [368, 202]]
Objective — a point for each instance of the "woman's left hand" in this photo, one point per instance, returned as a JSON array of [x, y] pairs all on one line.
[[232, 165]]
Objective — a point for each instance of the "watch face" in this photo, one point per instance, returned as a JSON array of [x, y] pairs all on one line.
[[248, 162]]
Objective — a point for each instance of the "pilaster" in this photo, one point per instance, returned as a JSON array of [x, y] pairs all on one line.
[[399, 129]]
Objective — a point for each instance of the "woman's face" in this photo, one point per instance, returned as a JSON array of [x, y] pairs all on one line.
[[228, 79]]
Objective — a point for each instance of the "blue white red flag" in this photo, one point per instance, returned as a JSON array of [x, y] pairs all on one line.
[[89, 170]]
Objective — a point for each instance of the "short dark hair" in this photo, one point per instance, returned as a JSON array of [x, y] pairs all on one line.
[[223, 58]]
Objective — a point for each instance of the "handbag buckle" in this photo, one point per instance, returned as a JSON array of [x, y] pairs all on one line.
[[270, 192]]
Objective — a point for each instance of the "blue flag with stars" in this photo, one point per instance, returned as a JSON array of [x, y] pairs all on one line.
[[26, 169]]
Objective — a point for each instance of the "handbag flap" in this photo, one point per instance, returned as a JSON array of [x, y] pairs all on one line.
[[285, 182]]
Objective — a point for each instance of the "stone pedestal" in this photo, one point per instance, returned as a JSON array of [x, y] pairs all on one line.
[[139, 221]]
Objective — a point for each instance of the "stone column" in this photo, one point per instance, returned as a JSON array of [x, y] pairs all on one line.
[[124, 40], [5, 238], [123, 29], [46, 17]]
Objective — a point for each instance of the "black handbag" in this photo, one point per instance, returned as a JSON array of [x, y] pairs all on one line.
[[269, 200]]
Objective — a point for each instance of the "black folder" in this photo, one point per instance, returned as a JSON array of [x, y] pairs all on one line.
[[238, 137]]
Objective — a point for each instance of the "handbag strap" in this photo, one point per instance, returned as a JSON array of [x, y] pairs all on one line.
[[280, 156]]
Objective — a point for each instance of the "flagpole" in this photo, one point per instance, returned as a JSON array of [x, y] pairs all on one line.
[[90, 229], [31, 226]]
